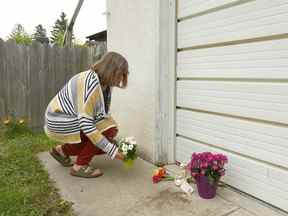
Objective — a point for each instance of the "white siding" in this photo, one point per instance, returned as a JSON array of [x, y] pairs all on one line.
[[233, 97], [265, 101], [259, 141], [262, 60], [191, 7], [250, 20]]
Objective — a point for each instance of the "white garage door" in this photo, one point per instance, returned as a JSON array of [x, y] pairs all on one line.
[[232, 90]]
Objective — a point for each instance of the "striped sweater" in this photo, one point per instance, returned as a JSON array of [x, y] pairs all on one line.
[[79, 105]]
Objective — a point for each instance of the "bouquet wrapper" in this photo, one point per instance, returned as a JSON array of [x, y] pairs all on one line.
[[129, 163]]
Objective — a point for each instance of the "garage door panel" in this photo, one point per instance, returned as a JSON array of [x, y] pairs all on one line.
[[190, 7], [262, 187], [262, 60], [256, 140], [264, 101], [262, 18]]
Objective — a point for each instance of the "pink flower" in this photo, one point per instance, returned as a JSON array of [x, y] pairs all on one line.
[[194, 174], [204, 165], [225, 159], [206, 162], [222, 173], [221, 165], [210, 158]]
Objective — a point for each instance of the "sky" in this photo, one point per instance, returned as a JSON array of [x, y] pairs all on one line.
[[30, 13]]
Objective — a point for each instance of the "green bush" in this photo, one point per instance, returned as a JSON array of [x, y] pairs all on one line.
[[20, 35], [23, 39]]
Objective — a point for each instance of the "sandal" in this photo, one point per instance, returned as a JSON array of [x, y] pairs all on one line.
[[86, 172], [64, 161]]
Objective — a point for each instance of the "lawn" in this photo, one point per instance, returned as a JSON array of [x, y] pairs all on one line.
[[25, 188]]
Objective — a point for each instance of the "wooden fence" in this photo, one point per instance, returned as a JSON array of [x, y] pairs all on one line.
[[30, 76]]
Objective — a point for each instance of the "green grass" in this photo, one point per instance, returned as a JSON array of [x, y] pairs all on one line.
[[25, 188]]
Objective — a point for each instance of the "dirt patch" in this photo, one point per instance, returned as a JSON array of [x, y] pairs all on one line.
[[168, 197], [172, 202]]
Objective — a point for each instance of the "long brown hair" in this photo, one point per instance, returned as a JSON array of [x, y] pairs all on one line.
[[112, 70]]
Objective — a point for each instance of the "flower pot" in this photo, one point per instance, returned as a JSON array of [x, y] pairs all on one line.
[[205, 189]]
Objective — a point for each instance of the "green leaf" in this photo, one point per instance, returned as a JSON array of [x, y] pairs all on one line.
[[211, 180]]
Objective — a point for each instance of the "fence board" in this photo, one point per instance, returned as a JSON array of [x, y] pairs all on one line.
[[43, 80], [34, 97], [11, 48], [2, 77]]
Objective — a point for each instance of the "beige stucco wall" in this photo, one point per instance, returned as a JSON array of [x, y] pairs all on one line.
[[132, 31]]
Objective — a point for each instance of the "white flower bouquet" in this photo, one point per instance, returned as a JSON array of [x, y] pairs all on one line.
[[127, 147]]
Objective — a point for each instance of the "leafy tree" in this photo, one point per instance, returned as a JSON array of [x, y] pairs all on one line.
[[59, 29], [20, 36], [59, 39], [40, 34]]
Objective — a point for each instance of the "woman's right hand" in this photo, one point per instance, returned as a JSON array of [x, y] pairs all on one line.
[[119, 156]]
